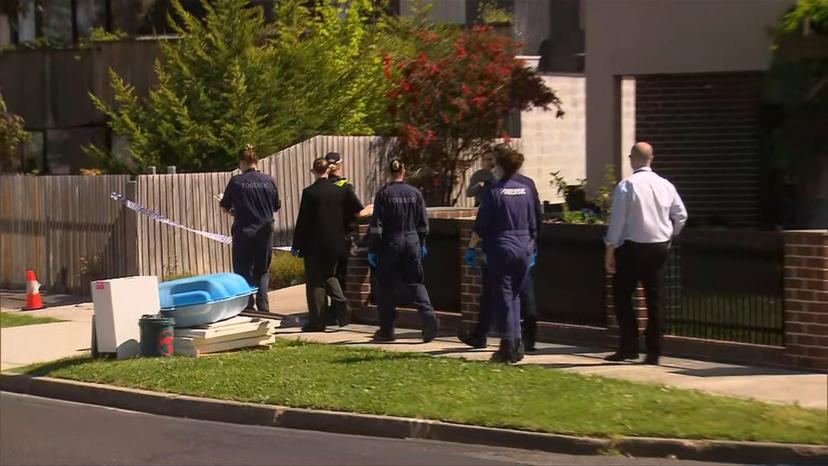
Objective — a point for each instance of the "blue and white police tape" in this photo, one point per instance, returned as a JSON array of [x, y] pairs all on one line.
[[143, 210]]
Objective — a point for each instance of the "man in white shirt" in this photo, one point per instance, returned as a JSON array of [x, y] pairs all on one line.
[[647, 212]]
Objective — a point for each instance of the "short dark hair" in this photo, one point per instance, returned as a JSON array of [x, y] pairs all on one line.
[[248, 155], [320, 166], [396, 166], [508, 159], [333, 157]]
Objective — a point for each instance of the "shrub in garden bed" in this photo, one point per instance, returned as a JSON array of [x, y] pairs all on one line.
[[286, 270]]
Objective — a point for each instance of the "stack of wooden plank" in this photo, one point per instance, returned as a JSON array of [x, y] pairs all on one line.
[[235, 333]]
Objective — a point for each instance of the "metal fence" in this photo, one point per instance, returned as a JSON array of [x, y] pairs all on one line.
[[726, 286]]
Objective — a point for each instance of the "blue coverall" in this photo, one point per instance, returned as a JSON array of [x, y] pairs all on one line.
[[507, 227], [398, 230], [528, 303]]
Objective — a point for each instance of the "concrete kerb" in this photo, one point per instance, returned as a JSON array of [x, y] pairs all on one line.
[[397, 427]]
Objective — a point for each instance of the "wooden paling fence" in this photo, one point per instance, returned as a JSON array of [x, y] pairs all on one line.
[[63, 227], [70, 232]]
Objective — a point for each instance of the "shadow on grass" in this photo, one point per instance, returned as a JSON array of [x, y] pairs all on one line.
[[43, 370], [378, 357]]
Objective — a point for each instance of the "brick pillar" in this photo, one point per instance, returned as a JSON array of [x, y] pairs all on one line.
[[358, 286], [470, 281], [806, 299]]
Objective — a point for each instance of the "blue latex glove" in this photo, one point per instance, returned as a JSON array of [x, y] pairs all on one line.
[[423, 251], [294, 252], [533, 260], [470, 257], [372, 259]]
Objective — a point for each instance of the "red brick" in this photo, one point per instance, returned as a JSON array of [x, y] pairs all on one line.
[[801, 295], [816, 285], [815, 351], [794, 283], [795, 328], [797, 250], [800, 317], [803, 238], [803, 362]]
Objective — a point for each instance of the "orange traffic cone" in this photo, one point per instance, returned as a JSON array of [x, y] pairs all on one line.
[[33, 300]]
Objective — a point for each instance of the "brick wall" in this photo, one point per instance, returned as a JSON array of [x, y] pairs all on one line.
[[806, 299], [358, 286], [705, 131]]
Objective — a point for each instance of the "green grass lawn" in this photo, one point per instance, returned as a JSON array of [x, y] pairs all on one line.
[[366, 380], [17, 319]]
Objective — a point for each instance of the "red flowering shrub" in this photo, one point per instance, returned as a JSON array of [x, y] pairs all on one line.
[[450, 101]]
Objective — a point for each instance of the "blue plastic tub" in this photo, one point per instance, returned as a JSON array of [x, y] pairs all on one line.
[[204, 299]]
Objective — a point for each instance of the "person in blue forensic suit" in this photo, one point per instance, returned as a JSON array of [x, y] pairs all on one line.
[[507, 227], [252, 198], [528, 305], [398, 232]]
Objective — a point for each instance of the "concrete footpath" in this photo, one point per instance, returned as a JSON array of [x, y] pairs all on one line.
[[40, 343]]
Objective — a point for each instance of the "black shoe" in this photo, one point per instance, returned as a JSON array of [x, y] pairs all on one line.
[[381, 336], [530, 329], [430, 328], [308, 328], [619, 356], [651, 360], [343, 314], [508, 353], [473, 339]]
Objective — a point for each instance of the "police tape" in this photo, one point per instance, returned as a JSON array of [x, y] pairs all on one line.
[[152, 214]]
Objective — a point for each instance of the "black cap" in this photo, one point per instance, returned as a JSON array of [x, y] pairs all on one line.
[[333, 157]]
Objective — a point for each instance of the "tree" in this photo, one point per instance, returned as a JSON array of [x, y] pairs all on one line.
[[797, 97], [12, 135], [230, 80], [450, 100]]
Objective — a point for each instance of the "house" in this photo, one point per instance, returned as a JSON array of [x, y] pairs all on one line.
[[686, 75]]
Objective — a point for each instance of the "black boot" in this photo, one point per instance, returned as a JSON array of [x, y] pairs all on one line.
[[530, 330], [382, 336], [509, 352], [343, 313], [430, 327], [475, 339]]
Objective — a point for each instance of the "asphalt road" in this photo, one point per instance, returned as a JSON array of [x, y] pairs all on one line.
[[43, 431]]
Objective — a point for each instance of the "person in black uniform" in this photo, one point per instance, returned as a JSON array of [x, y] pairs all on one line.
[[319, 238], [398, 233], [335, 176], [528, 304], [252, 198]]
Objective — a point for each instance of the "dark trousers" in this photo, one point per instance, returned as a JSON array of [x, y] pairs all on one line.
[[528, 305], [399, 280], [634, 263], [251, 260], [508, 267], [321, 282], [341, 275]]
